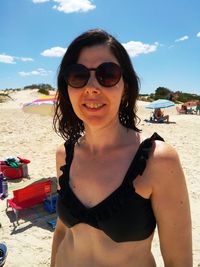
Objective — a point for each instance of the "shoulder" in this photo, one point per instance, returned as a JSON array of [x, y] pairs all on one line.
[[163, 153], [60, 151], [163, 161], [160, 150], [60, 158], [164, 166]]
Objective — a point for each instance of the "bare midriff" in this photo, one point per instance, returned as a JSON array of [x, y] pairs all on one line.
[[85, 246]]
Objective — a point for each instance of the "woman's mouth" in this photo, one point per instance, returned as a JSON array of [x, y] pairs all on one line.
[[93, 105]]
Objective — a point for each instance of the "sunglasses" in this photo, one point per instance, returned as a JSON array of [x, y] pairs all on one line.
[[107, 74]]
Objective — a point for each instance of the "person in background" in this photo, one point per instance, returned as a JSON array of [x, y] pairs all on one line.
[[198, 107], [115, 185], [184, 108], [189, 109], [159, 116]]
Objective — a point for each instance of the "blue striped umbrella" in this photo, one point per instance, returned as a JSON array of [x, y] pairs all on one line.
[[160, 103]]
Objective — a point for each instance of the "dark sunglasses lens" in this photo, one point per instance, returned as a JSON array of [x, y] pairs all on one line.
[[77, 76], [108, 74]]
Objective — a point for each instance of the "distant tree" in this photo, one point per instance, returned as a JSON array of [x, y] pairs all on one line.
[[162, 93], [44, 91], [165, 93], [39, 86], [184, 97]]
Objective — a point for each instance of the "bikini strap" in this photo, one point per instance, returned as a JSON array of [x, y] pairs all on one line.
[[69, 152], [139, 161], [144, 151]]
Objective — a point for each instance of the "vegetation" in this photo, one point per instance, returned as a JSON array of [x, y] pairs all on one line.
[[43, 91], [160, 93], [43, 88], [4, 97], [165, 93], [39, 86], [183, 97]]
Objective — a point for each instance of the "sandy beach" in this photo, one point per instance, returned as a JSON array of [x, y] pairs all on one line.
[[31, 136]]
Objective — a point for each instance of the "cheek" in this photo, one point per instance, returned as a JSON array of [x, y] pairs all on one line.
[[120, 92], [73, 97]]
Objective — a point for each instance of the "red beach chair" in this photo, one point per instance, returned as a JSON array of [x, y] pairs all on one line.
[[29, 196]]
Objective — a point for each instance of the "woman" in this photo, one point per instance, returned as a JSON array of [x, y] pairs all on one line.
[[114, 185], [159, 116]]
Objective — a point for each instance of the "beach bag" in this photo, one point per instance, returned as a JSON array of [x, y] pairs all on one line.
[[14, 173]]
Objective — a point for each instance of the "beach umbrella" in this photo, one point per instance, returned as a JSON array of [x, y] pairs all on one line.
[[160, 103], [43, 105], [190, 103]]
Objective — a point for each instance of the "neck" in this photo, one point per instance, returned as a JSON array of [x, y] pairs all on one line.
[[100, 139]]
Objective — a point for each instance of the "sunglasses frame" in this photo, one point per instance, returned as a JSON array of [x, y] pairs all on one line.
[[87, 71]]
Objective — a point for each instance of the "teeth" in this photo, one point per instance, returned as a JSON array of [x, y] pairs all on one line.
[[93, 105]]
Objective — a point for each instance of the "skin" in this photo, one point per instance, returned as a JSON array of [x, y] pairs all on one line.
[[106, 149]]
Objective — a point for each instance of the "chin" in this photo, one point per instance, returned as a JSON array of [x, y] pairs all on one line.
[[95, 122]]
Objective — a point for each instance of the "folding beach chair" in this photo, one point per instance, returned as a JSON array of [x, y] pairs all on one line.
[[29, 196]]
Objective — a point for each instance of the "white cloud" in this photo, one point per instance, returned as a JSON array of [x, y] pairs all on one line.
[[25, 59], [70, 6], [54, 52], [198, 34], [37, 72], [136, 48], [7, 59], [40, 1], [182, 39], [12, 60]]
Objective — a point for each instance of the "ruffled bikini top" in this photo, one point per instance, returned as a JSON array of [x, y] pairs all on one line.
[[124, 215]]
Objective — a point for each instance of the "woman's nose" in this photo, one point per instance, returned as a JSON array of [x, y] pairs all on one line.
[[92, 86]]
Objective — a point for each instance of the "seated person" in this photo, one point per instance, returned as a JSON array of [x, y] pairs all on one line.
[[189, 109], [184, 108], [159, 116]]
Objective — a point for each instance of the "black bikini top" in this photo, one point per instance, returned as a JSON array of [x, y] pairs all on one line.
[[124, 215]]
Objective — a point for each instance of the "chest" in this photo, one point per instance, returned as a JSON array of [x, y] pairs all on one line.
[[93, 179]]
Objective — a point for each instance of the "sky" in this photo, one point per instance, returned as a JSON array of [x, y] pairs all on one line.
[[161, 37]]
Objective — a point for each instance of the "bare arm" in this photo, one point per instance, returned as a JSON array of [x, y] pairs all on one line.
[[61, 229], [171, 207]]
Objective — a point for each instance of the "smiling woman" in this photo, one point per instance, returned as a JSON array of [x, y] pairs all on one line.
[[114, 185]]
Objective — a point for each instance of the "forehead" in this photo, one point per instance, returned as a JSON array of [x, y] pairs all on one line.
[[96, 54]]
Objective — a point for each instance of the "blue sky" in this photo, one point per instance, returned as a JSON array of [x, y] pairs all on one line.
[[161, 37]]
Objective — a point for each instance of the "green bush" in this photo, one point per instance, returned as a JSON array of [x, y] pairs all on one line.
[[44, 91], [162, 93]]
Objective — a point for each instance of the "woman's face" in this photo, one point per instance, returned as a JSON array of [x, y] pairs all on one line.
[[95, 104]]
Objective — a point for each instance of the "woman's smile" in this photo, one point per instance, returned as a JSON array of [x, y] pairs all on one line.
[[93, 106]]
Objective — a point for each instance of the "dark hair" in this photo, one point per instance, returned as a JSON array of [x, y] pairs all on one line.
[[65, 121]]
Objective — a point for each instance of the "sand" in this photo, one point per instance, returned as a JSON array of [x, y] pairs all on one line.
[[31, 136]]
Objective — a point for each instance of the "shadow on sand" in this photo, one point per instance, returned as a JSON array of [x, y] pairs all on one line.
[[156, 122], [33, 216]]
